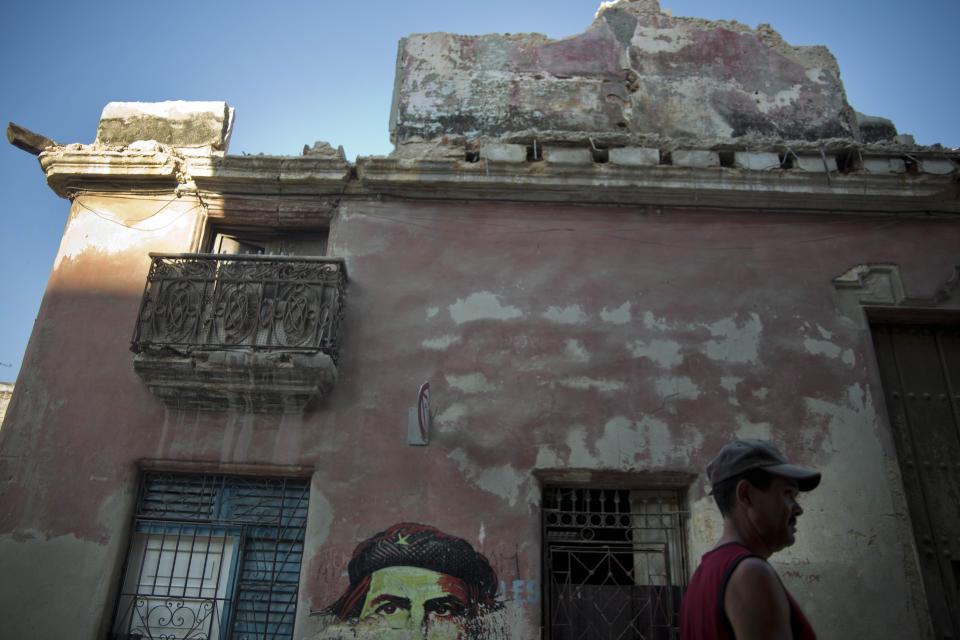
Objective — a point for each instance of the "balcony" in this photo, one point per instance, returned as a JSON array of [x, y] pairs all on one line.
[[240, 333]]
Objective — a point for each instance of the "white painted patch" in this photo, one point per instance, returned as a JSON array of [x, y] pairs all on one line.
[[747, 429], [822, 348], [620, 315], [575, 350], [677, 387], [733, 342], [730, 383], [816, 75], [660, 39], [470, 383], [824, 333], [431, 311], [623, 441], [503, 481], [452, 414], [651, 321], [565, 315], [584, 383], [761, 393], [547, 458], [105, 233], [706, 527], [849, 357], [784, 98], [440, 343], [580, 456], [482, 306], [850, 418], [619, 443], [666, 353]]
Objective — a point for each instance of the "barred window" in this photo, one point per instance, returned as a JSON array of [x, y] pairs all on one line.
[[213, 557], [615, 563]]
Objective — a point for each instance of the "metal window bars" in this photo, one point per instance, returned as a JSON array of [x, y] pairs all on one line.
[[213, 557], [615, 563]]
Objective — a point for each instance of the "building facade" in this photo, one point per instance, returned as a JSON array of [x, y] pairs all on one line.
[[6, 392], [278, 396]]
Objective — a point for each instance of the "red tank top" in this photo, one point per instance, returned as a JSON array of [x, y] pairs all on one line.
[[702, 615]]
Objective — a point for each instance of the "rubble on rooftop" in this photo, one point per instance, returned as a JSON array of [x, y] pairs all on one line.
[[636, 73]]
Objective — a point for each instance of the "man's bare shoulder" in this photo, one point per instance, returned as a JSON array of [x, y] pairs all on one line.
[[756, 603]]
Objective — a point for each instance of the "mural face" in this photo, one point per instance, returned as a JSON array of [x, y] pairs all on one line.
[[415, 581]]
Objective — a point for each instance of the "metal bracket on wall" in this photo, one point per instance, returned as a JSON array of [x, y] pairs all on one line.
[[418, 418]]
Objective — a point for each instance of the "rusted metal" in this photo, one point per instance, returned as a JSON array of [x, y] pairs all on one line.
[[212, 302]]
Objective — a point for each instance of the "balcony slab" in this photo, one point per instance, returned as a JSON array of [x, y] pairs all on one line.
[[237, 381]]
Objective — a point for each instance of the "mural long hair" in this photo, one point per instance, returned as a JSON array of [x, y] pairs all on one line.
[[417, 545]]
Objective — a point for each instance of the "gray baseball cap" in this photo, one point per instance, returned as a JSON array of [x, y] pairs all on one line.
[[744, 455]]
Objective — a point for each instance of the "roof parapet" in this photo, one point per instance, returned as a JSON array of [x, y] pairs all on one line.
[[189, 126]]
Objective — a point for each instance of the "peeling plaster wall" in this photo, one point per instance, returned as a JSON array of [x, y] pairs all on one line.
[[80, 419], [554, 337], [635, 70]]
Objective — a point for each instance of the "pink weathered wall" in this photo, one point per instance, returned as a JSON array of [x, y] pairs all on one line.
[[553, 338]]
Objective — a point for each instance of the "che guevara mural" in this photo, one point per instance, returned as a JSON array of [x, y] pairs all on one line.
[[415, 581]]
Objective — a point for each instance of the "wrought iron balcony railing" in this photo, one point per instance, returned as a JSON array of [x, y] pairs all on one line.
[[203, 302]]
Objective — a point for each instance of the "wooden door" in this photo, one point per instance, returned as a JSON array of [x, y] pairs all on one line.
[[920, 368]]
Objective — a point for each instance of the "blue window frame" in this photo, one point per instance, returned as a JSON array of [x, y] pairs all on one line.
[[213, 557]]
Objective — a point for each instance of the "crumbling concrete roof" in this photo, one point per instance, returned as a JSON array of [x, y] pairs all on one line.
[[636, 71]]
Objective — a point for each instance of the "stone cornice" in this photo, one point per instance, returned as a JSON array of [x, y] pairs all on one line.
[[69, 170], [76, 168], [225, 177], [294, 175], [659, 185]]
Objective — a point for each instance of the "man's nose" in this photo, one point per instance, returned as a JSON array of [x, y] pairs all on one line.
[[418, 617], [797, 509]]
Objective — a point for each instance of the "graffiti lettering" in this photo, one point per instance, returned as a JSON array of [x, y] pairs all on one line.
[[520, 591]]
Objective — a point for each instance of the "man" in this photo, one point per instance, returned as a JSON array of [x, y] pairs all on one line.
[[735, 593], [413, 580]]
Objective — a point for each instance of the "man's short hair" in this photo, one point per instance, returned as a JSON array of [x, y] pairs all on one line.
[[725, 491]]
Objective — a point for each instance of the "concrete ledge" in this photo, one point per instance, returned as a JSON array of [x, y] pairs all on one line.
[[255, 382], [504, 152], [884, 165], [756, 161], [635, 156], [695, 158], [814, 164], [654, 186], [567, 155], [937, 166]]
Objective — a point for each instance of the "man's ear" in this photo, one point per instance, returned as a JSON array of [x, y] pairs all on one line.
[[743, 493]]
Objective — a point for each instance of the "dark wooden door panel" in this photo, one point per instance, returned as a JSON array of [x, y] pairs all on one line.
[[920, 368]]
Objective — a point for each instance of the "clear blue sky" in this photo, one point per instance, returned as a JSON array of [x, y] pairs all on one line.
[[302, 71]]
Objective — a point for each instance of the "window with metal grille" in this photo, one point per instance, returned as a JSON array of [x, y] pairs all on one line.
[[213, 557], [614, 563]]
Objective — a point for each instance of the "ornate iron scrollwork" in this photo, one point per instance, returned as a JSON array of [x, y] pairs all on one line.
[[216, 301]]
